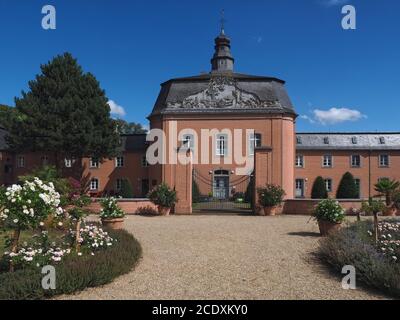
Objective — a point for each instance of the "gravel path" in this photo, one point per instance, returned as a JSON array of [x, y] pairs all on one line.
[[225, 257]]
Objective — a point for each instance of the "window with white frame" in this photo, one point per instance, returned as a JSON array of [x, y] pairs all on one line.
[[299, 161], [118, 184], [188, 142], [119, 162], [328, 184], [94, 162], [384, 160], [358, 185], [222, 145], [21, 162], [255, 142], [327, 161], [145, 163], [94, 184], [356, 161]]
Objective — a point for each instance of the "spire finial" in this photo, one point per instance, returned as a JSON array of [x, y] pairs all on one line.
[[223, 21]]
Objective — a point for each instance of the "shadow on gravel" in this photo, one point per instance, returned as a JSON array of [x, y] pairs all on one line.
[[305, 234]]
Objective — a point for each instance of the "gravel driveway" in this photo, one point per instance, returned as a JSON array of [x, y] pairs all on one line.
[[225, 257]]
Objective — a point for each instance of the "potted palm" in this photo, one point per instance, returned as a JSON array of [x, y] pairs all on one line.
[[270, 198], [387, 188], [329, 214], [111, 214], [164, 198]]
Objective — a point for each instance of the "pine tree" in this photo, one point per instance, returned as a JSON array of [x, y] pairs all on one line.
[[65, 113], [347, 188], [319, 189]]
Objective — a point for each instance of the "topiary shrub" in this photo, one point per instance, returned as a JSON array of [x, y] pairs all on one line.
[[75, 272], [126, 189], [319, 189], [347, 187]]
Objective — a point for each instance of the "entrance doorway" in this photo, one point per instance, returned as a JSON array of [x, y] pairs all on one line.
[[220, 191], [299, 188]]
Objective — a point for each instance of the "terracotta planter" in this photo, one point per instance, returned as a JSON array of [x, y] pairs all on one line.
[[326, 227], [270, 211], [115, 224], [164, 211], [390, 212]]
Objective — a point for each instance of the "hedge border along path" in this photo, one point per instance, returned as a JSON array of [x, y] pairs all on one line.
[[350, 246], [75, 273]]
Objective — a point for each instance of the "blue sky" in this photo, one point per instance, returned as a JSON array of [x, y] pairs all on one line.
[[338, 80]]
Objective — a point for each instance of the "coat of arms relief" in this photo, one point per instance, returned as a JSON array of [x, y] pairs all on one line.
[[222, 93]]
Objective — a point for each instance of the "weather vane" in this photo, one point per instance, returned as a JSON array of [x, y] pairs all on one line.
[[223, 21]]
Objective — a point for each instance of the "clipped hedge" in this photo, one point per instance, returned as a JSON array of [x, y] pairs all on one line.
[[353, 246], [75, 273]]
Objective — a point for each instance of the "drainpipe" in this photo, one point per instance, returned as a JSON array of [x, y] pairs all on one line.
[[369, 174]]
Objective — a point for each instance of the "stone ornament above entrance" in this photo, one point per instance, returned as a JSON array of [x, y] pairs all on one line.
[[222, 93]]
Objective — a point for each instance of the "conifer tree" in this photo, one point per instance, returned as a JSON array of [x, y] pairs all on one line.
[[319, 189], [65, 113], [347, 188]]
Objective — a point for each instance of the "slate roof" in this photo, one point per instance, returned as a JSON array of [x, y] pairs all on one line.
[[133, 143], [266, 89], [348, 141]]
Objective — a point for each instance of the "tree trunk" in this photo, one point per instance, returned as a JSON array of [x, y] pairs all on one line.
[[14, 245], [78, 235], [376, 230]]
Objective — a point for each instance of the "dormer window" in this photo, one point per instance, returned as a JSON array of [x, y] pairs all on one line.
[[382, 140], [326, 140], [354, 140], [298, 139]]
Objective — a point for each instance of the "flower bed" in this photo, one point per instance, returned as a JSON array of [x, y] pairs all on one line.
[[377, 263], [76, 272]]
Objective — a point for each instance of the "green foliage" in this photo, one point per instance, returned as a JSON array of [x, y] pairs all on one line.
[[319, 189], [6, 113], [50, 174], [329, 210], [270, 195], [110, 209], [249, 194], [347, 187], [162, 195], [124, 127], [372, 207], [195, 192], [65, 112], [387, 188], [355, 246], [75, 273], [126, 189], [78, 206]]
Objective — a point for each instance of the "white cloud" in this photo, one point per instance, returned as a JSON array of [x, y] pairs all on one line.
[[116, 109], [334, 116]]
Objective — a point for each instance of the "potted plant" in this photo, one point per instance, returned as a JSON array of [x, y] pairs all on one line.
[[164, 198], [111, 214], [269, 198], [329, 215], [387, 188]]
